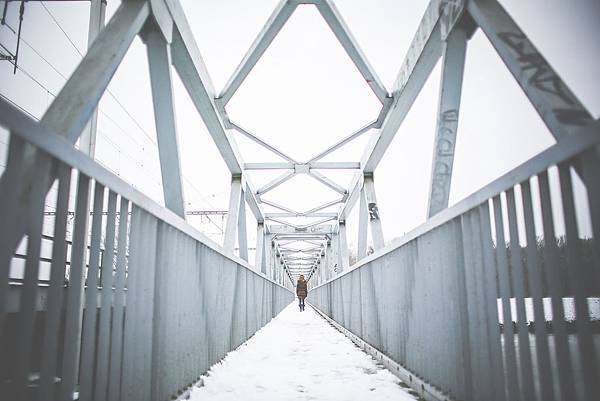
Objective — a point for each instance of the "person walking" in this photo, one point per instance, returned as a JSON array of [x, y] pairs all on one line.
[[301, 291]]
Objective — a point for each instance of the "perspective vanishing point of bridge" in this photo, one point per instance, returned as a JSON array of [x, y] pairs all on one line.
[[483, 301]]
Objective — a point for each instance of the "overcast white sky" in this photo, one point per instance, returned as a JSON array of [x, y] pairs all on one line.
[[305, 95]]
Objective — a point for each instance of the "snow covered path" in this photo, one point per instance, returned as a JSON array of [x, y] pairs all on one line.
[[299, 356]]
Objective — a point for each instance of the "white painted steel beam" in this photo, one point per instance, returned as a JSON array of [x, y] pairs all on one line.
[[363, 227], [87, 141], [324, 206], [67, 115], [159, 61], [242, 232], [453, 63], [287, 214], [343, 142], [558, 107], [373, 209], [235, 197], [272, 27], [190, 66], [284, 229], [275, 182], [278, 206], [327, 182], [335, 21], [302, 166], [344, 259], [423, 54], [259, 255], [262, 143]]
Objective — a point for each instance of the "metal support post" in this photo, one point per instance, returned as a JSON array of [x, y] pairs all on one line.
[[259, 257], [241, 229], [363, 226], [453, 65], [374, 219], [342, 248], [87, 142], [159, 61], [234, 211]]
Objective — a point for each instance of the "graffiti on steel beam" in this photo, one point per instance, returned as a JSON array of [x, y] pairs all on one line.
[[373, 211], [451, 11], [442, 170], [543, 78]]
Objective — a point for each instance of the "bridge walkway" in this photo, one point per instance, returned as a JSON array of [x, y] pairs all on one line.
[[299, 356]]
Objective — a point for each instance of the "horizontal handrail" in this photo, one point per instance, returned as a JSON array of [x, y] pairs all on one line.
[[43, 138], [587, 137]]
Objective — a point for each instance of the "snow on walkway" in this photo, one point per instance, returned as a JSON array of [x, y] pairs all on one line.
[[299, 356]]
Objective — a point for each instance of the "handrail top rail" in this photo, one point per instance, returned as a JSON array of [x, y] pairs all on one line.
[[580, 141], [20, 124]]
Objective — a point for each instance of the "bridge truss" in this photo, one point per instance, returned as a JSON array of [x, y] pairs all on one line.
[[42, 155]]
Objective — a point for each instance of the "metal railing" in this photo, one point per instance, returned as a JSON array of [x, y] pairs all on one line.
[[178, 303], [429, 301]]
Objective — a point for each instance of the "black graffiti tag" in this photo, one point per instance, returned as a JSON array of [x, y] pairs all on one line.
[[544, 78]]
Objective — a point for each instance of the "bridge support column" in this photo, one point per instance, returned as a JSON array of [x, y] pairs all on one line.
[[343, 256], [260, 262], [453, 65], [241, 229], [236, 219], [369, 218], [159, 61], [87, 141]]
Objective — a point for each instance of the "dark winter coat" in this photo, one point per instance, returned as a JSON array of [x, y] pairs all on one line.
[[301, 289]]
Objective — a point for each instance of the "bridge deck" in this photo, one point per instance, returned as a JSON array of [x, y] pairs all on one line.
[[299, 356]]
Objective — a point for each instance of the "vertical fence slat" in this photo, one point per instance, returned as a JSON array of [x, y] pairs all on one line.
[[28, 300], [535, 285], [100, 388], [491, 296], [88, 345], [577, 285], [116, 355], [510, 365], [57, 283], [518, 286], [74, 308], [551, 266], [471, 338]]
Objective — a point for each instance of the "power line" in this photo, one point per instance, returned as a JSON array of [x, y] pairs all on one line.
[[61, 28], [107, 89]]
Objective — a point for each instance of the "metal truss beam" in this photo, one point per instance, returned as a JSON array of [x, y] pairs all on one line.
[[335, 21], [235, 200], [298, 167], [424, 52], [373, 210], [287, 214], [343, 142], [327, 182], [67, 115], [190, 66], [274, 24], [275, 182], [262, 143], [159, 62], [558, 107], [309, 234], [453, 63]]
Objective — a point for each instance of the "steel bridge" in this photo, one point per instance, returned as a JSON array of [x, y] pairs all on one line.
[[139, 304]]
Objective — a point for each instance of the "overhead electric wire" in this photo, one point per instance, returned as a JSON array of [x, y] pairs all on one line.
[[111, 94]]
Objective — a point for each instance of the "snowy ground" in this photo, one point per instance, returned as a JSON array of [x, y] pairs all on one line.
[[299, 356]]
